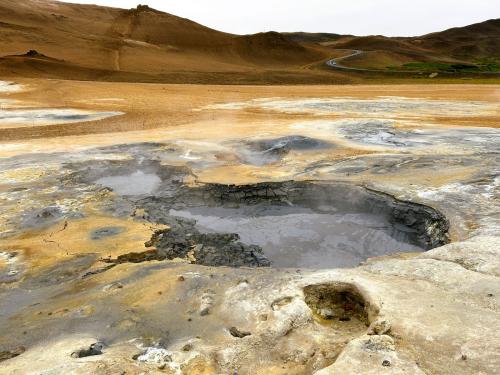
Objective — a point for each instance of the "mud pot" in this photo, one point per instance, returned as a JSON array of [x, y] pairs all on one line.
[[312, 225]]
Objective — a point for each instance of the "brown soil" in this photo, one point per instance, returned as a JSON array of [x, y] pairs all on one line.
[[157, 106]]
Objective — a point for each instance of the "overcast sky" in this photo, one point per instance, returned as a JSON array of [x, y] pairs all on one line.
[[359, 17]]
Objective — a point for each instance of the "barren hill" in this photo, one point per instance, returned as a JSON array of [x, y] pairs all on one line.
[[85, 38], [480, 40], [470, 45], [143, 44]]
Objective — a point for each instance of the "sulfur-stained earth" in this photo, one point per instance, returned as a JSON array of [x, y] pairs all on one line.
[[185, 229]]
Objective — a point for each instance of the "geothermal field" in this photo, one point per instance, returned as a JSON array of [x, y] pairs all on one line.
[[179, 200], [264, 230]]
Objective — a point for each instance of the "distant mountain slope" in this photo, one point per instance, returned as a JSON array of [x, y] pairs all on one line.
[[313, 37], [462, 45], [477, 41], [101, 43], [139, 40]]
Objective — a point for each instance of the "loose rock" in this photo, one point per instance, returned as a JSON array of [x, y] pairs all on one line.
[[8, 354], [235, 332], [94, 349]]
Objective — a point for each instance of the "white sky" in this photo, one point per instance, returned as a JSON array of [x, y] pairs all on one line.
[[359, 17]]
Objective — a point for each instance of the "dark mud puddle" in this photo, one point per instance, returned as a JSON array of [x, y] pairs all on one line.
[[268, 151], [137, 183], [292, 224], [303, 237]]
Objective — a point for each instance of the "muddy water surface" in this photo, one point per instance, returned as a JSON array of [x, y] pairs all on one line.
[[137, 183], [306, 238]]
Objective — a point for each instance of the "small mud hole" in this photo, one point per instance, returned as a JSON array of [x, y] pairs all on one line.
[[92, 350], [268, 151], [9, 354], [136, 183], [103, 233], [337, 302]]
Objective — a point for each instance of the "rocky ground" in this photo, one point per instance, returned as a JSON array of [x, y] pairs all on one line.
[[100, 274]]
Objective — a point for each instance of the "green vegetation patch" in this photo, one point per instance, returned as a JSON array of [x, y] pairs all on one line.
[[479, 67]]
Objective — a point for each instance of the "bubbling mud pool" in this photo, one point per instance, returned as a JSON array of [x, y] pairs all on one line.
[[292, 224], [137, 183], [303, 237]]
